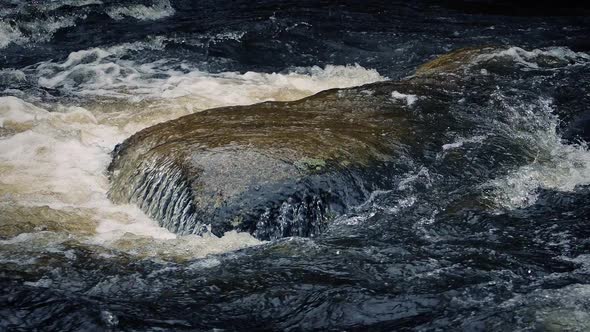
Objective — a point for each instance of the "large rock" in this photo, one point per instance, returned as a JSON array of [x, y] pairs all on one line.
[[286, 168]]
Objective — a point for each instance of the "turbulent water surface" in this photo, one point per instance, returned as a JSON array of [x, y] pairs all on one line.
[[485, 230]]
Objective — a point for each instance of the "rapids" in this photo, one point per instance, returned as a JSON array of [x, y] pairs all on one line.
[[485, 228]]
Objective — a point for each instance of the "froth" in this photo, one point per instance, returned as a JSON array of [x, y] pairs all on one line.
[[26, 22], [537, 58], [157, 10], [36, 31], [60, 162], [557, 165], [14, 112], [105, 73], [9, 34], [135, 95], [567, 166]]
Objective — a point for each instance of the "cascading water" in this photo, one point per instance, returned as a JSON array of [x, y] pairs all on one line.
[[481, 225]]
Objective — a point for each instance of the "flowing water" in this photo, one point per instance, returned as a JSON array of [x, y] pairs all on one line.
[[488, 230]]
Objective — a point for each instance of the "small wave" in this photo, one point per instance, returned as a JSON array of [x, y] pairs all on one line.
[[16, 112], [28, 24], [568, 166], [538, 58], [105, 73], [44, 6], [23, 33], [557, 165], [9, 34], [157, 10]]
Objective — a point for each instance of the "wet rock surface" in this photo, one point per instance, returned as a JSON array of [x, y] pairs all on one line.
[[274, 169], [280, 169]]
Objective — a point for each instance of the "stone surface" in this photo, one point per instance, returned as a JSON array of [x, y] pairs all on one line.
[[278, 169]]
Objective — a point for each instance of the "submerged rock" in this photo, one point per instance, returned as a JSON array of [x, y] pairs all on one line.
[[280, 169], [15, 220]]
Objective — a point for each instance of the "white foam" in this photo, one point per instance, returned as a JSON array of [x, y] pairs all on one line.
[[41, 28], [60, 162], [183, 247], [558, 166], [530, 59], [168, 89], [158, 10], [409, 99], [401, 205], [102, 73], [17, 111], [229, 35], [8, 34], [567, 167], [37, 31], [245, 88]]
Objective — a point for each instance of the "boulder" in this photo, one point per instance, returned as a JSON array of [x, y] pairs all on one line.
[[279, 169]]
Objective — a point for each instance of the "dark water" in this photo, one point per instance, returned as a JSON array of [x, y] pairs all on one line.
[[486, 227]]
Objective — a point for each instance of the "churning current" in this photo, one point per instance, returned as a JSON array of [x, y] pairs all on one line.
[[414, 166]]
